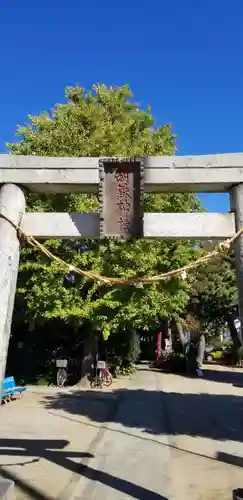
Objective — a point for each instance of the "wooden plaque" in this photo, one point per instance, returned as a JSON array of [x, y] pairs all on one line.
[[121, 198]]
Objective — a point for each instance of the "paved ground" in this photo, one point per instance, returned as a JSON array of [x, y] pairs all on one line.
[[162, 437]]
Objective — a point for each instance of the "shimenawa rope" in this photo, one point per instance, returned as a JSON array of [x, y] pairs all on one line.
[[220, 249]]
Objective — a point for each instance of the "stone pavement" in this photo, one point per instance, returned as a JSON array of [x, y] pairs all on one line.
[[205, 433], [154, 437], [42, 443]]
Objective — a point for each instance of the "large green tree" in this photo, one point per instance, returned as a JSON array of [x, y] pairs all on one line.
[[102, 122], [215, 296]]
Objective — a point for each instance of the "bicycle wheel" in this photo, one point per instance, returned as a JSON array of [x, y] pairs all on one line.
[[108, 380], [61, 377]]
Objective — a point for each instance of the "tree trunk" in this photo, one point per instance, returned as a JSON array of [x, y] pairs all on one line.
[[90, 351], [233, 330], [196, 351], [181, 334], [158, 341], [133, 347], [201, 350]]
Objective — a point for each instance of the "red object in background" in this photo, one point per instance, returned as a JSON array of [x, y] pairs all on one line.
[[158, 351]]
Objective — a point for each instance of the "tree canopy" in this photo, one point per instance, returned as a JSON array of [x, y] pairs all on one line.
[[105, 121], [215, 296]]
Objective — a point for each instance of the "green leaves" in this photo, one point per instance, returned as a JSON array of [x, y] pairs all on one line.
[[102, 122], [215, 292]]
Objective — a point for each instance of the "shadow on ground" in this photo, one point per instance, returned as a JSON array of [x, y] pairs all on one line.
[[224, 376], [54, 451], [210, 416]]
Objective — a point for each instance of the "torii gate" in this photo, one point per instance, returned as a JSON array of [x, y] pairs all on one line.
[[121, 183]]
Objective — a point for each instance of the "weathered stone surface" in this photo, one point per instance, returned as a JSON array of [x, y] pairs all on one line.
[[12, 205], [236, 199], [212, 173], [6, 489], [192, 225], [203, 226]]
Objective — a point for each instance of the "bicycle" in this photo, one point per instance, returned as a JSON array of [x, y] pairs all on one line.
[[102, 377]]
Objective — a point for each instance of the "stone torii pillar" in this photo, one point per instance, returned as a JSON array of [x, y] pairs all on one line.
[[12, 205], [236, 202]]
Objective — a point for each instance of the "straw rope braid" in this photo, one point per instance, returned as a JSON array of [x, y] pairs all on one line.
[[220, 249]]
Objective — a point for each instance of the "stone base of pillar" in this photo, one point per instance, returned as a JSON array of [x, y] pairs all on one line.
[[7, 489]]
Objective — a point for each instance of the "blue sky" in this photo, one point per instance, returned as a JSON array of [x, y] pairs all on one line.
[[184, 57]]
